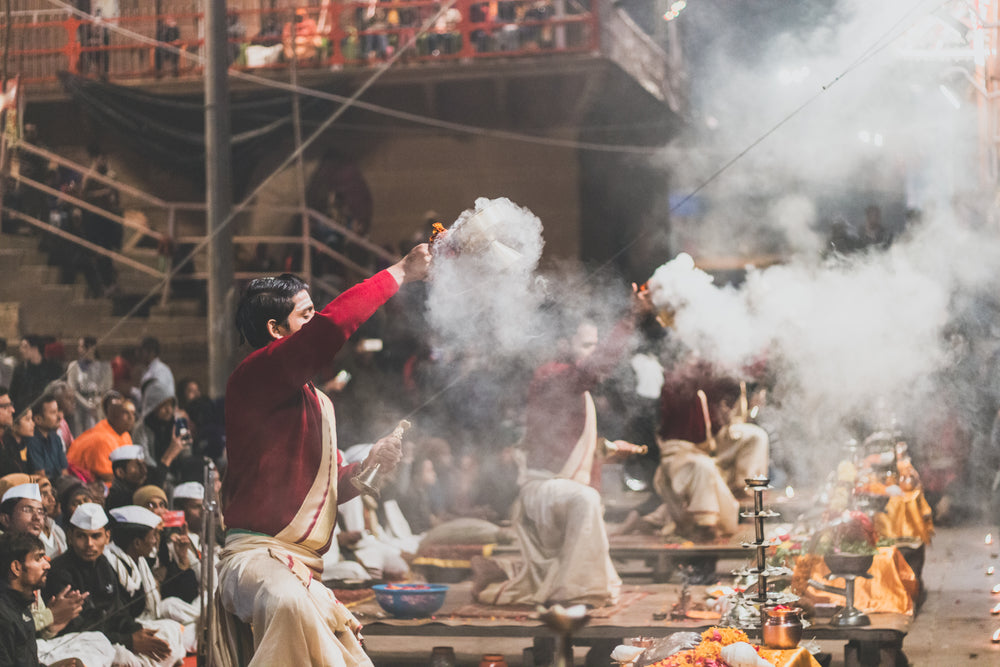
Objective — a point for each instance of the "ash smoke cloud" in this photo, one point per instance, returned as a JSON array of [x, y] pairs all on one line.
[[875, 114], [849, 339], [484, 295], [909, 331]]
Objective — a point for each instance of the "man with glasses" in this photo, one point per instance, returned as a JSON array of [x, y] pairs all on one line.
[[22, 512]]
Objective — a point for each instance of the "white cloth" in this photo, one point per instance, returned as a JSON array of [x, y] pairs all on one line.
[[167, 630], [697, 489], [559, 521], [90, 380], [336, 568], [162, 614], [564, 548], [91, 648], [375, 551], [55, 541], [275, 587]]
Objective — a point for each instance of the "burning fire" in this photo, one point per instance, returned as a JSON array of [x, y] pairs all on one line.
[[996, 636], [989, 539], [996, 590], [996, 609]]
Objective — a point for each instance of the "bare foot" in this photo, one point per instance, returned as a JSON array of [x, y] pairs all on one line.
[[485, 571], [635, 523]]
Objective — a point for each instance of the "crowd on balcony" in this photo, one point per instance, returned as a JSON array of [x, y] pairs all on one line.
[[333, 33]]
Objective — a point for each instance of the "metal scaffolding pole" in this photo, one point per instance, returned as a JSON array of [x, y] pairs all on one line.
[[219, 200]]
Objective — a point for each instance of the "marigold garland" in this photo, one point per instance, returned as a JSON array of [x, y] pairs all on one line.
[[706, 654]]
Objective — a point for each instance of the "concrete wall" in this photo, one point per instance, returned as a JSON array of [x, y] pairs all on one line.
[[411, 174]]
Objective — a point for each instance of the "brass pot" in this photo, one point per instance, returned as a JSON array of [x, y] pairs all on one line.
[[782, 627]]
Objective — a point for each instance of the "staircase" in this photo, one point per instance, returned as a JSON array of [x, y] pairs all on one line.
[[33, 301]]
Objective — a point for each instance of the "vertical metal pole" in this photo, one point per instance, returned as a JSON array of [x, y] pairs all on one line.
[[300, 169], [219, 200], [210, 506]]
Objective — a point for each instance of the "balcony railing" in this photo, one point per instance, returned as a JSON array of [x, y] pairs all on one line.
[[334, 35]]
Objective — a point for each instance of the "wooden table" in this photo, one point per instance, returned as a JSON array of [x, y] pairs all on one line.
[[662, 555], [877, 644]]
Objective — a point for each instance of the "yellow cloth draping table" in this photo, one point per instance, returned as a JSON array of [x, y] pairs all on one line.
[[798, 657], [907, 515], [892, 588]]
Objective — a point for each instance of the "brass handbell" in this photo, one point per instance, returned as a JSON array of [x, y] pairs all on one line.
[[369, 480]]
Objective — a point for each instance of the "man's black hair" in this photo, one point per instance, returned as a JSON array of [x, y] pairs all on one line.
[[111, 396], [120, 464], [35, 341], [16, 547], [89, 341], [263, 300], [150, 344], [8, 506], [4, 390], [36, 407], [123, 534]]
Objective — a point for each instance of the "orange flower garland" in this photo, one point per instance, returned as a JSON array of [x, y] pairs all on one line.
[[706, 654]]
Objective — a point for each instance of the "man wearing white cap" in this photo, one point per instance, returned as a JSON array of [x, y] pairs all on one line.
[[189, 498], [19, 514], [85, 568], [129, 468], [279, 427], [135, 536]]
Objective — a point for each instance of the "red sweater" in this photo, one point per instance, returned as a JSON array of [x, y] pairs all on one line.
[[273, 419], [556, 412], [681, 416]]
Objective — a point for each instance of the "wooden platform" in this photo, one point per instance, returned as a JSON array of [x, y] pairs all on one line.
[[662, 556], [879, 643]]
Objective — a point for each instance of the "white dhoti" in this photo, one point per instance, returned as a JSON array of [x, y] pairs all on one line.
[[169, 631], [564, 547], [90, 648], [559, 522], [697, 489], [296, 619]]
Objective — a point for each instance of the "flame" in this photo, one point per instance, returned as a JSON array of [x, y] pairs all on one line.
[[989, 539], [996, 609], [996, 636], [438, 230], [996, 590], [789, 492], [990, 570]]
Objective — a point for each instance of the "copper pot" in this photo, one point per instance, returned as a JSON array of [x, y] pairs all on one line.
[[493, 660], [782, 627]]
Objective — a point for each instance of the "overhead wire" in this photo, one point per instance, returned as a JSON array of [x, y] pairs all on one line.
[[884, 40]]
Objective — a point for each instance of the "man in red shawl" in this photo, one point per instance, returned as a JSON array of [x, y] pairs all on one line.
[[284, 477]]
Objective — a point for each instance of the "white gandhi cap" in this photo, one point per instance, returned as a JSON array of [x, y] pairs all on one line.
[[29, 491], [193, 490], [89, 516], [126, 453], [137, 515]]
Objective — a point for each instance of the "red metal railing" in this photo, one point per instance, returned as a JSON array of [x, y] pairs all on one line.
[[337, 34]]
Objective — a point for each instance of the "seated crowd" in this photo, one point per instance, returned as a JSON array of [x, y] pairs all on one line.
[[118, 505]]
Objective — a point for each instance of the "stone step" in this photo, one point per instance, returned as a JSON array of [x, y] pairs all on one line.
[[19, 242], [27, 276], [178, 308]]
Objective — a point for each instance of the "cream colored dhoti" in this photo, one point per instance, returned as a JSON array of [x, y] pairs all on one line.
[[559, 522], [697, 489], [277, 588]]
